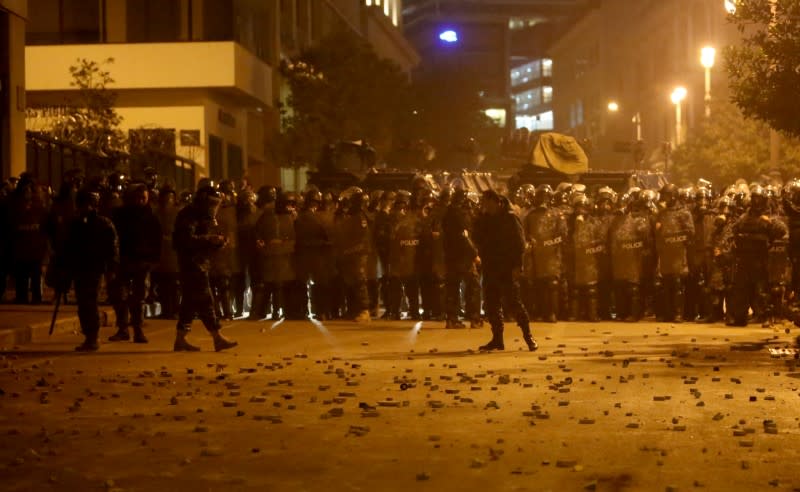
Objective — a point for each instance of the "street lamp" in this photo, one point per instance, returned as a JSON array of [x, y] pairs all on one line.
[[730, 6], [613, 106], [678, 95], [707, 55], [637, 120]]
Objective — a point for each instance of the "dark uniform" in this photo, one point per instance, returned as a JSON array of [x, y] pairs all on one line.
[[546, 231], [246, 216], [165, 274], [719, 262], [275, 238], [696, 300], [629, 237], [314, 254], [585, 245], [461, 266], [791, 207], [674, 233], [225, 262], [262, 293], [352, 246], [778, 271], [501, 242], [403, 272], [753, 234], [605, 284], [91, 250], [28, 241], [196, 244], [140, 249]]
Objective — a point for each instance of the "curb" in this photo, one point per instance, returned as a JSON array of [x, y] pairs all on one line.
[[39, 332]]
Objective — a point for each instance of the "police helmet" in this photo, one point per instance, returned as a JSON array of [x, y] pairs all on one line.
[[758, 199], [524, 195], [87, 198], [543, 195]]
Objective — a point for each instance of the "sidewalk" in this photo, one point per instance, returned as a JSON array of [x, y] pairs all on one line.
[[21, 323]]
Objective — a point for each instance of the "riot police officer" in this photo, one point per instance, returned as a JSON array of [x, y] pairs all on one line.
[[90, 251], [352, 245], [314, 253], [461, 262], [165, 274], [584, 248], [545, 230], [674, 233], [195, 244], [225, 262], [275, 241], [630, 235], [501, 242], [140, 250], [753, 234]]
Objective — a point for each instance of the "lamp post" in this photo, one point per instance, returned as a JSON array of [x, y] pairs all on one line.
[[637, 120], [707, 55], [678, 95]]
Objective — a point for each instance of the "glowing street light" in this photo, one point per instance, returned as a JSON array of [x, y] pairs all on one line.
[[613, 106], [707, 55], [449, 36], [677, 96], [730, 6]]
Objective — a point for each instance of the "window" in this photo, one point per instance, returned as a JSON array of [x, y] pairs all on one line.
[[217, 20], [215, 157], [153, 21], [235, 162], [547, 67], [63, 22], [547, 94]]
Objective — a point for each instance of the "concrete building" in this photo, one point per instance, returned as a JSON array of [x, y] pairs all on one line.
[[12, 87], [492, 39], [615, 68], [207, 70]]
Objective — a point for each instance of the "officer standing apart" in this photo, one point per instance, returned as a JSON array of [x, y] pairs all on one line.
[[501, 243], [91, 250], [195, 245]]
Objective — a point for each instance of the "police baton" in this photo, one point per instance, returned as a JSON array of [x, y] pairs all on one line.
[[55, 311]]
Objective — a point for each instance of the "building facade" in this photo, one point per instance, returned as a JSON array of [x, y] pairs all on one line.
[[207, 71], [494, 39], [12, 87], [616, 67]]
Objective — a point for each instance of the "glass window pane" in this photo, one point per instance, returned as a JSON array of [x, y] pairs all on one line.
[[43, 22], [81, 21]]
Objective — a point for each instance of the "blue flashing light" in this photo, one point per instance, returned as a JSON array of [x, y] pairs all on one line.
[[449, 36]]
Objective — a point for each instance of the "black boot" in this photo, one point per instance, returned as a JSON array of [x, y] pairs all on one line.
[[591, 305], [88, 345], [222, 343], [181, 345], [121, 335], [138, 335], [496, 343], [528, 337]]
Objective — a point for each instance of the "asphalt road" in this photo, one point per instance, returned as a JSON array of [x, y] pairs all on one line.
[[404, 406]]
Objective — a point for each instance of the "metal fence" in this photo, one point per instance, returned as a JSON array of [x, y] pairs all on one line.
[[48, 159]]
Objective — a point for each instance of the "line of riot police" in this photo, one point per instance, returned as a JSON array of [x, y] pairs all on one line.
[[676, 253], [679, 254]]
